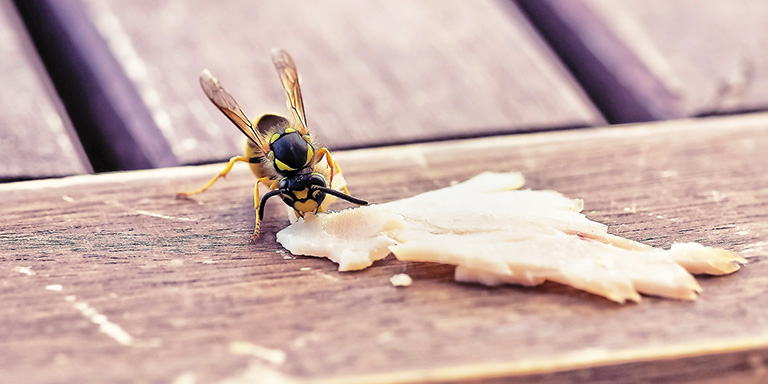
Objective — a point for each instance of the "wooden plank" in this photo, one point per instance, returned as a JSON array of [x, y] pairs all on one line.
[[116, 129], [36, 136], [651, 60], [185, 296], [374, 73]]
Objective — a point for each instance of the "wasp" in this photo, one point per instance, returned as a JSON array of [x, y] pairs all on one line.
[[281, 152]]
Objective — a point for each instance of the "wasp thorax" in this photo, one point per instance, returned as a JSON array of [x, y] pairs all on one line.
[[297, 191], [291, 151]]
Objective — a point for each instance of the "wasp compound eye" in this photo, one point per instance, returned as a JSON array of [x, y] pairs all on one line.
[[292, 152], [317, 179]]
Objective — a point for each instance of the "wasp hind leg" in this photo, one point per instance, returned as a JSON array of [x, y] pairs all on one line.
[[333, 165], [221, 174]]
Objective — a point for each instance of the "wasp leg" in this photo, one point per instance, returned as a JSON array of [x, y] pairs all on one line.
[[333, 165], [221, 174], [257, 202]]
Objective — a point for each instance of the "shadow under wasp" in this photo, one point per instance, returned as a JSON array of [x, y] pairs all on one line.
[[281, 152]]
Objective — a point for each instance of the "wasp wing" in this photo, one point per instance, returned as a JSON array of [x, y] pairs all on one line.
[[286, 68], [227, 104]]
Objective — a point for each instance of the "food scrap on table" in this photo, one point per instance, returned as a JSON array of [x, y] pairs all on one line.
[[401, 280], [495, 233]]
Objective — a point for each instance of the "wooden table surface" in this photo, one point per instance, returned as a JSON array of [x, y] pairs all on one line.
[[118, 273], [109, 278]]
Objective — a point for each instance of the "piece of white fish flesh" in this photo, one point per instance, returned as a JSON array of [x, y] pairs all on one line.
[[496, 234]]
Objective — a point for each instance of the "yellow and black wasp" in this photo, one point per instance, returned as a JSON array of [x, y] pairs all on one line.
[[281, 153]]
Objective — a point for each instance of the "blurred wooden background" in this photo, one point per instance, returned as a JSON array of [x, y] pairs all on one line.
[[383, 72], [106, 273], [36, 137]]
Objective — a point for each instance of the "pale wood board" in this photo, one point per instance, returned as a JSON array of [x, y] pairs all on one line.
[[662, 59], [36, 137], [373, 73], [710, 54], [181, 279]]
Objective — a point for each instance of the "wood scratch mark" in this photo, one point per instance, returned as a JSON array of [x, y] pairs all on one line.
[[269, 355], [161, 216], [185, 378], [24, 270], [106, 327], [328, 277], [716, 196], [262, 368], [258, 372], [304, 339]]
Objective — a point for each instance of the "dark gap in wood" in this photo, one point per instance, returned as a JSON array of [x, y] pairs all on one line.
[[113, 124], [14, 179], [730, 112], [618, 83], [35, 134]]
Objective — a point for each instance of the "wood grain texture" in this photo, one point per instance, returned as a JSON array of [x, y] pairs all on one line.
[[36, 137], [374, 73], [671, 58], [83, 259], [114, 126]]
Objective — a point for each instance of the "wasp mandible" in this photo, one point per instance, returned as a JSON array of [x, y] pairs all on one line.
[[281, 152]]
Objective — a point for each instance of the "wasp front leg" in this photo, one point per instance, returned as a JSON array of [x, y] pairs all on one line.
[[221, 174], [333, 165], [257, 201]]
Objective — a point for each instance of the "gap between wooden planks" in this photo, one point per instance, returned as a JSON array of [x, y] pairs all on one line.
[[182, 281], [38, 139]]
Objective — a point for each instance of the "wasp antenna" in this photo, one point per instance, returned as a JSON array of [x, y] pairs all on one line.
[[264, 202], [341, 195]]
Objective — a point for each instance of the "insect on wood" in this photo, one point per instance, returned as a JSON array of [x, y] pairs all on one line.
[[280, 151]]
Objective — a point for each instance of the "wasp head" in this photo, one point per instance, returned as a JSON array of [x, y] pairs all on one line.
[[305, 192]]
